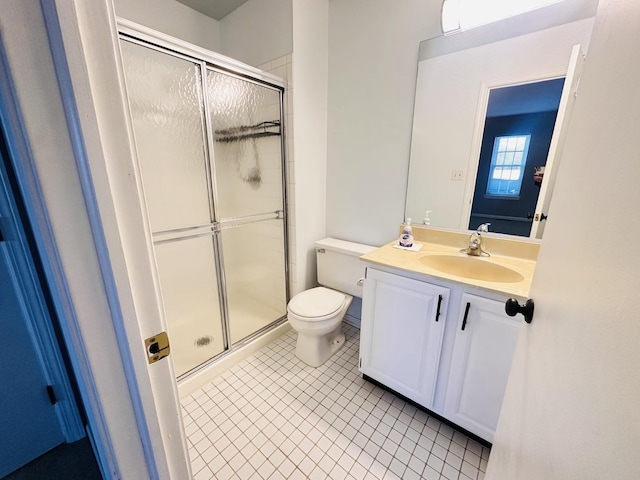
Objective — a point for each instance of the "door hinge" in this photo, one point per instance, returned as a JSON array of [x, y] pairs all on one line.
[[52, 395], [157, 347]]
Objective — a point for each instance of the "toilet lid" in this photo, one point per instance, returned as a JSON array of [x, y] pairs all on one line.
[[316, 302]]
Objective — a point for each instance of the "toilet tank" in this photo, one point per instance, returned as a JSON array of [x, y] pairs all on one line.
[[339, 266]]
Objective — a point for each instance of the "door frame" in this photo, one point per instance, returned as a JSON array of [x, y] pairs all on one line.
[[478, 133], [571, 74], [567, 100], [68, 133], [85, 49]]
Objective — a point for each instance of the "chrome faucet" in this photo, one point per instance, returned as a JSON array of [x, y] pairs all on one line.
[[476, 242]]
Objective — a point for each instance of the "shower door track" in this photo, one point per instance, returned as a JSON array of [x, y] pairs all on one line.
[[133, 31]]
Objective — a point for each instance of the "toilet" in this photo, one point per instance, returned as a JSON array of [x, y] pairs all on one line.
[[316, 314]]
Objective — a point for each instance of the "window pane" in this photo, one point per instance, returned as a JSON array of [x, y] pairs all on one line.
[[517, 158], [508, 160], [507, 165]]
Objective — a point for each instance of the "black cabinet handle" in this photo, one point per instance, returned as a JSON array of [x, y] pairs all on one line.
[[466, 315], [512, 308], [438, 309]]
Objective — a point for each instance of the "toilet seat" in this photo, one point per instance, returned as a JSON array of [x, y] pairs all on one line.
[[316, 303]]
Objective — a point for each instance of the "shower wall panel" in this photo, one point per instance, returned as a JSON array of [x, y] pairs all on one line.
[[245, 118], [189, 283], [253, 259], [166, 104], [249, 188]]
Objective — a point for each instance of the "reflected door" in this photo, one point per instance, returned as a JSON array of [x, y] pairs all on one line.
[[517, 134], [557, 141]]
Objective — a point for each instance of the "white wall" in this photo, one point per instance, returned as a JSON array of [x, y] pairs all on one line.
[[373, 57], [172, 18], [258, 31], [310, 75], [571, 406]]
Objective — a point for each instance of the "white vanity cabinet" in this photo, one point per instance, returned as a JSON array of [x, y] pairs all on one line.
[[485, 341], [401, 333], [439, 344]]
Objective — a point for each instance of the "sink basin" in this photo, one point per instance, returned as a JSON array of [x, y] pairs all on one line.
[[471, 267]]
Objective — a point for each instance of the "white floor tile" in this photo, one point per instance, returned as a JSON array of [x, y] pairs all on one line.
[[273, 417]]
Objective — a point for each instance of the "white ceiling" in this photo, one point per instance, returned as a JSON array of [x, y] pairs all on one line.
[[217, 9]]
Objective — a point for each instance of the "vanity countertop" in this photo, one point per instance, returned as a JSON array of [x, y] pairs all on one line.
[[409, 261]]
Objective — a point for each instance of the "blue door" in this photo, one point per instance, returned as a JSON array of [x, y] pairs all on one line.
[[32, 370], [29, 425]]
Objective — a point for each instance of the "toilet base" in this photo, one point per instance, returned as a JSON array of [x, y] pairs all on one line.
[[315, 350]]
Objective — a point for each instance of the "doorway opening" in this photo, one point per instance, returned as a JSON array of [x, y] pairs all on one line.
[[42, 420], [518, 128]]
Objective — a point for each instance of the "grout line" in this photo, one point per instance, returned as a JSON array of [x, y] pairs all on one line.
[[272, 416]]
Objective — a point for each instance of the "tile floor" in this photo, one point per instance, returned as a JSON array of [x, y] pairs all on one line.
[[273, 417]]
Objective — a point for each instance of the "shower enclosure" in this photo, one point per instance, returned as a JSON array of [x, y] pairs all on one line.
[[209, 135]]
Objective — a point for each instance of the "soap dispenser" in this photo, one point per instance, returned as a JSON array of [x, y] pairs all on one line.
[[406, 237]]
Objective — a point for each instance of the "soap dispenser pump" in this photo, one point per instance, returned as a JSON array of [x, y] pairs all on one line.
[[406, 237]]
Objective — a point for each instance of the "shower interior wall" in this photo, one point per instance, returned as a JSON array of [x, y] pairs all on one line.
[[283, 68]]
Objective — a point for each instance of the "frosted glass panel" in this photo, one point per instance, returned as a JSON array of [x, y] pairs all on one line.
[[245, 118], [189, 287], [165, 95], [255, 275]]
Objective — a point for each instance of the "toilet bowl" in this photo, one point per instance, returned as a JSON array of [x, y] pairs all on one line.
[[316, 315]]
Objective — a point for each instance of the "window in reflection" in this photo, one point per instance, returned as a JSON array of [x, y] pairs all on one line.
[[508, 160]]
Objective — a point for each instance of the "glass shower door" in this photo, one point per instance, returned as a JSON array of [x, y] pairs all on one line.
[[167, 106], [247, 142]]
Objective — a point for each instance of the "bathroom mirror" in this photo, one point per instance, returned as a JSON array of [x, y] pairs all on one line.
[[456, 75]]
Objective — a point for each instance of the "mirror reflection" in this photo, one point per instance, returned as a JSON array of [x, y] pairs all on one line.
[[517, 134], [467, 90]]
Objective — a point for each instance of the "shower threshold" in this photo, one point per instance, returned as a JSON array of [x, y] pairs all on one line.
[[196, 378]]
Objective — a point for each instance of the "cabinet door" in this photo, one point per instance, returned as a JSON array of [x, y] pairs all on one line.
[[401, 333], [482, 355]]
